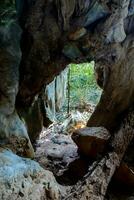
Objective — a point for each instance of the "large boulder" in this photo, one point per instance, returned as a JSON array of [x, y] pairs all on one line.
[[24, 179], [91, 141]]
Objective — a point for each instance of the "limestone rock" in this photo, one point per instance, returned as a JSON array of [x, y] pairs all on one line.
[[114, 30], [10, 55], [13, 132], [131, 8], [59, 148], [24, 179], [65, 12], [13, 135], [129, 24], [71, 51], [77, 34], [91, 141], [34, 119], [96, 11], [54, 95], [124, 175], [60, 89]]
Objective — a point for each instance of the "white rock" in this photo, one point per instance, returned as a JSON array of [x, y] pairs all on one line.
[[24, 179]]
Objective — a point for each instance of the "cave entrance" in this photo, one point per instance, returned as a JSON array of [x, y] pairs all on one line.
[[73, 96], [73, 92], [82, 91]]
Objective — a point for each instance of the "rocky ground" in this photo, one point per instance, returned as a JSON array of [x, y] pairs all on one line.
[[60, 169], [56, 151]]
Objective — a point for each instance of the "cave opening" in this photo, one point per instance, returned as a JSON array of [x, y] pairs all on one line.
[[82, 89], [69, 101], [74, 90]]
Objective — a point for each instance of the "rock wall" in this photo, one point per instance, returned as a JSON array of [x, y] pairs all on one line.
[[12, 128], [52, 54], [55, 94], [34, 119]]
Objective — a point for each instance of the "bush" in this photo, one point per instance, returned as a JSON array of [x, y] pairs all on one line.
[[83, 87]]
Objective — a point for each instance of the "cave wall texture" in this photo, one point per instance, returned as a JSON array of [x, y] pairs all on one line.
[[48, 36], [54, 95]]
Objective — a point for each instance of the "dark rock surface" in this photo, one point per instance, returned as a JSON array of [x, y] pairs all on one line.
[[107, 41], [34, 119], [11, 126], [10, 57], [91, 141]]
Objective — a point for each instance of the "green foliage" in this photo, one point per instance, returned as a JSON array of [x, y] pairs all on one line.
[[83, 87]]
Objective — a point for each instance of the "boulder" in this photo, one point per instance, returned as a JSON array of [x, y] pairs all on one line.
[[91, 141], [23, 179], [13, 135], [77, 34]]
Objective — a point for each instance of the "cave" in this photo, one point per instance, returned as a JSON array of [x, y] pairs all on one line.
[[74, 89], [38, 40]]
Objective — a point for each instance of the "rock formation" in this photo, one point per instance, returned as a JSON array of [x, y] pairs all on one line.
[[25, 179], [114, 23], [54, 95], [50, 34]]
